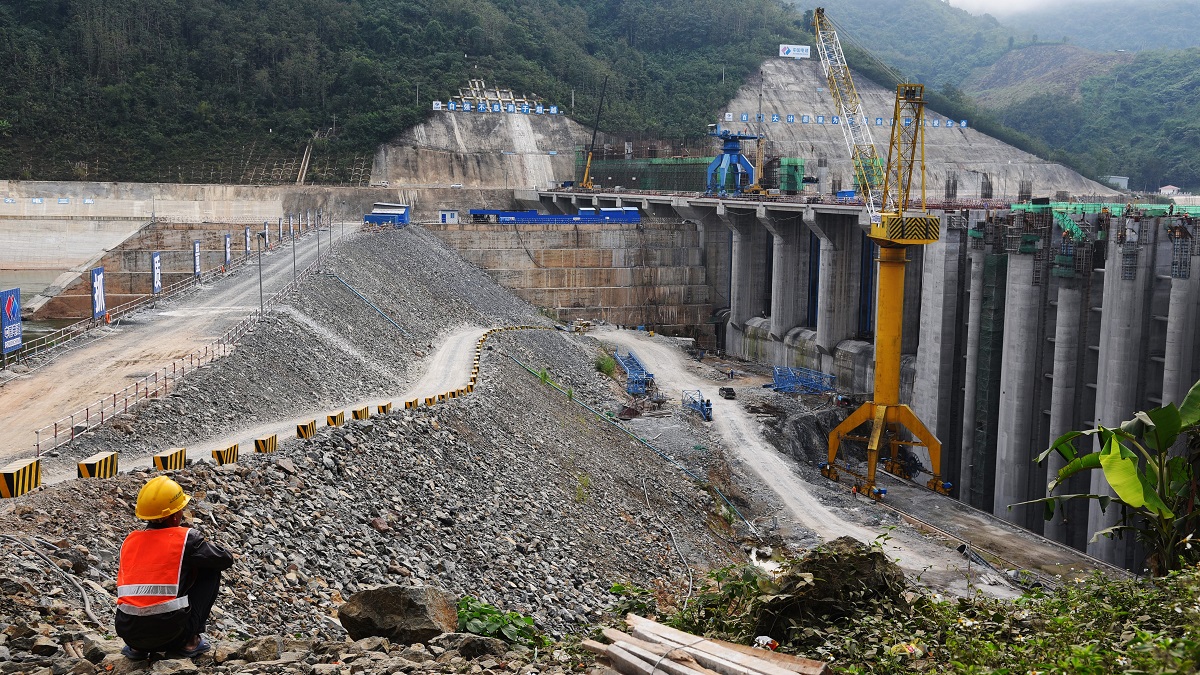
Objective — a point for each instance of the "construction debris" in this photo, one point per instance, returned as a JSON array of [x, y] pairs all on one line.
[[655, 648]]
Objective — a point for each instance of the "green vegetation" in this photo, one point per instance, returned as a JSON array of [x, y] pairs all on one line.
[[480, 618], [633, 600], [606, 364], [582, 485], [1135, 120], [1097, 625], [1155, 488], [232, 90]]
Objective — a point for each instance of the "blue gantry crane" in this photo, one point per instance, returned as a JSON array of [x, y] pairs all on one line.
[[731, 159], [638, 382], [695, 400]]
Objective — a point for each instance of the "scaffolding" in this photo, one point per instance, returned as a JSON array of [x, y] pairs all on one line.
[[1182, 243], [638, 382], [987, 380]]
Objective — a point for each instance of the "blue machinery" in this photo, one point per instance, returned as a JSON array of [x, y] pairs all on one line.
[[801, 380], [696, 401], [731, 158], [637, 381]]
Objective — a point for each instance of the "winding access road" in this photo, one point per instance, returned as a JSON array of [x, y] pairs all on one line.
[[448, 368], [932, 559]]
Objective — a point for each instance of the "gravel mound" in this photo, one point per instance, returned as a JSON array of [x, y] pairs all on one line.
[[513, 494], [324, 346], [516, 494]]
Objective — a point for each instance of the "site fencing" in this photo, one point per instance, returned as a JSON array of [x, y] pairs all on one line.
[[162, 382]]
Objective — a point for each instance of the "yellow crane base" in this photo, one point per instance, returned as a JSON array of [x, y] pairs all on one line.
[[886, 421]]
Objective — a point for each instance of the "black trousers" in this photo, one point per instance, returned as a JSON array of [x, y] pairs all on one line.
[[170, 631]]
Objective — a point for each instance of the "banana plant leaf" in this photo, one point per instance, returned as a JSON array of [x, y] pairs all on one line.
[[1120, 466]]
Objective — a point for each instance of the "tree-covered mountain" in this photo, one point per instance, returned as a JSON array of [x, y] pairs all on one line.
[[1112, 24], [203, 89], [1101, 112]]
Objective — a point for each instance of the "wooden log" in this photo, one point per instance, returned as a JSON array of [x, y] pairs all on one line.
[[630, 664], [720, 658], [796, 664], [679, 655]]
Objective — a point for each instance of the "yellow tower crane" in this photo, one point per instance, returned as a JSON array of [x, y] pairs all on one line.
[[894, 228]]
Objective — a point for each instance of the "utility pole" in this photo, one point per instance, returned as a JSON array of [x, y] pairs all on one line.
[[261, 305], [295, 274]]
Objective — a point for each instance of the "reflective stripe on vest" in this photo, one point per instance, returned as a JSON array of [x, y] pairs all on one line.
[[149, 572]]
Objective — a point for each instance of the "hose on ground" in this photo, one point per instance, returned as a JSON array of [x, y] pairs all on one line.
[[674, 543], [87, 606]]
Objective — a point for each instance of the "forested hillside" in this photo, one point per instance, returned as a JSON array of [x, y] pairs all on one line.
[[1129, 114], [1113, 24], [199, 90]]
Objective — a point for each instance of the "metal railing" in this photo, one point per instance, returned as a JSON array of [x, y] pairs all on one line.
[[67, 334], [160, 383]]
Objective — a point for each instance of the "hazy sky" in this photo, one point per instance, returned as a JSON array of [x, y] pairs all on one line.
[[1003, 7]]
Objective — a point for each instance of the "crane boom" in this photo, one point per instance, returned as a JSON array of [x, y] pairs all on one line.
[[867, 169], [586, 183]]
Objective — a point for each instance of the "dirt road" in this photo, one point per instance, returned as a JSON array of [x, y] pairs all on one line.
[[800, 502], [139, 345], [447, 368]]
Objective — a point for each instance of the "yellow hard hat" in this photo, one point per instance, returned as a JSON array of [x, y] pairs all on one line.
[[159, 498]]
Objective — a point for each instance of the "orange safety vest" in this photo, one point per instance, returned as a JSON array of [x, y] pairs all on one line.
[[150, 570]]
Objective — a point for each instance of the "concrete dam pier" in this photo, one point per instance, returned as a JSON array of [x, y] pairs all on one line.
[[1013, 333]]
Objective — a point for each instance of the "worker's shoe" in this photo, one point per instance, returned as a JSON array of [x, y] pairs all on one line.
[[134, 654], [202, 646]]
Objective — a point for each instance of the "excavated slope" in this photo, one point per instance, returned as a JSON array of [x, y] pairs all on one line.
[[798, 87]]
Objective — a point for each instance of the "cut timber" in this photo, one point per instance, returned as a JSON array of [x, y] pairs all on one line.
[[717, 655], [625, 659], [652, 651]]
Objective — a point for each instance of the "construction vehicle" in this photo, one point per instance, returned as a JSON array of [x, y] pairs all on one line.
[[726, 393], [894, 228], [586, 183]]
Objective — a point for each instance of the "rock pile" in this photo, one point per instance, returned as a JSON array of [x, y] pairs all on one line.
[[511, 494]]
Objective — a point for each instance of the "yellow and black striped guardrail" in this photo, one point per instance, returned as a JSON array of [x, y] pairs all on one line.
[[430, 401], [335, 420], [409, 405], [306, 430], [20, 477], [441, 398], [99, 465], [227, 456], [170, 460], [361, 413], [268, 444], [384, 409], [471, 386]]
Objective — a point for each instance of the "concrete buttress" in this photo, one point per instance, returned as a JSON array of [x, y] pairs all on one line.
[[1015, 445], [838, 290], [789, 271]]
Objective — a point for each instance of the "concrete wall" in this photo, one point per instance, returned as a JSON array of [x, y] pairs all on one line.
[[650, 273]]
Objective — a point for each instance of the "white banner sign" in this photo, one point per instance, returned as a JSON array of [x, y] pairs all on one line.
[[794, 51]]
